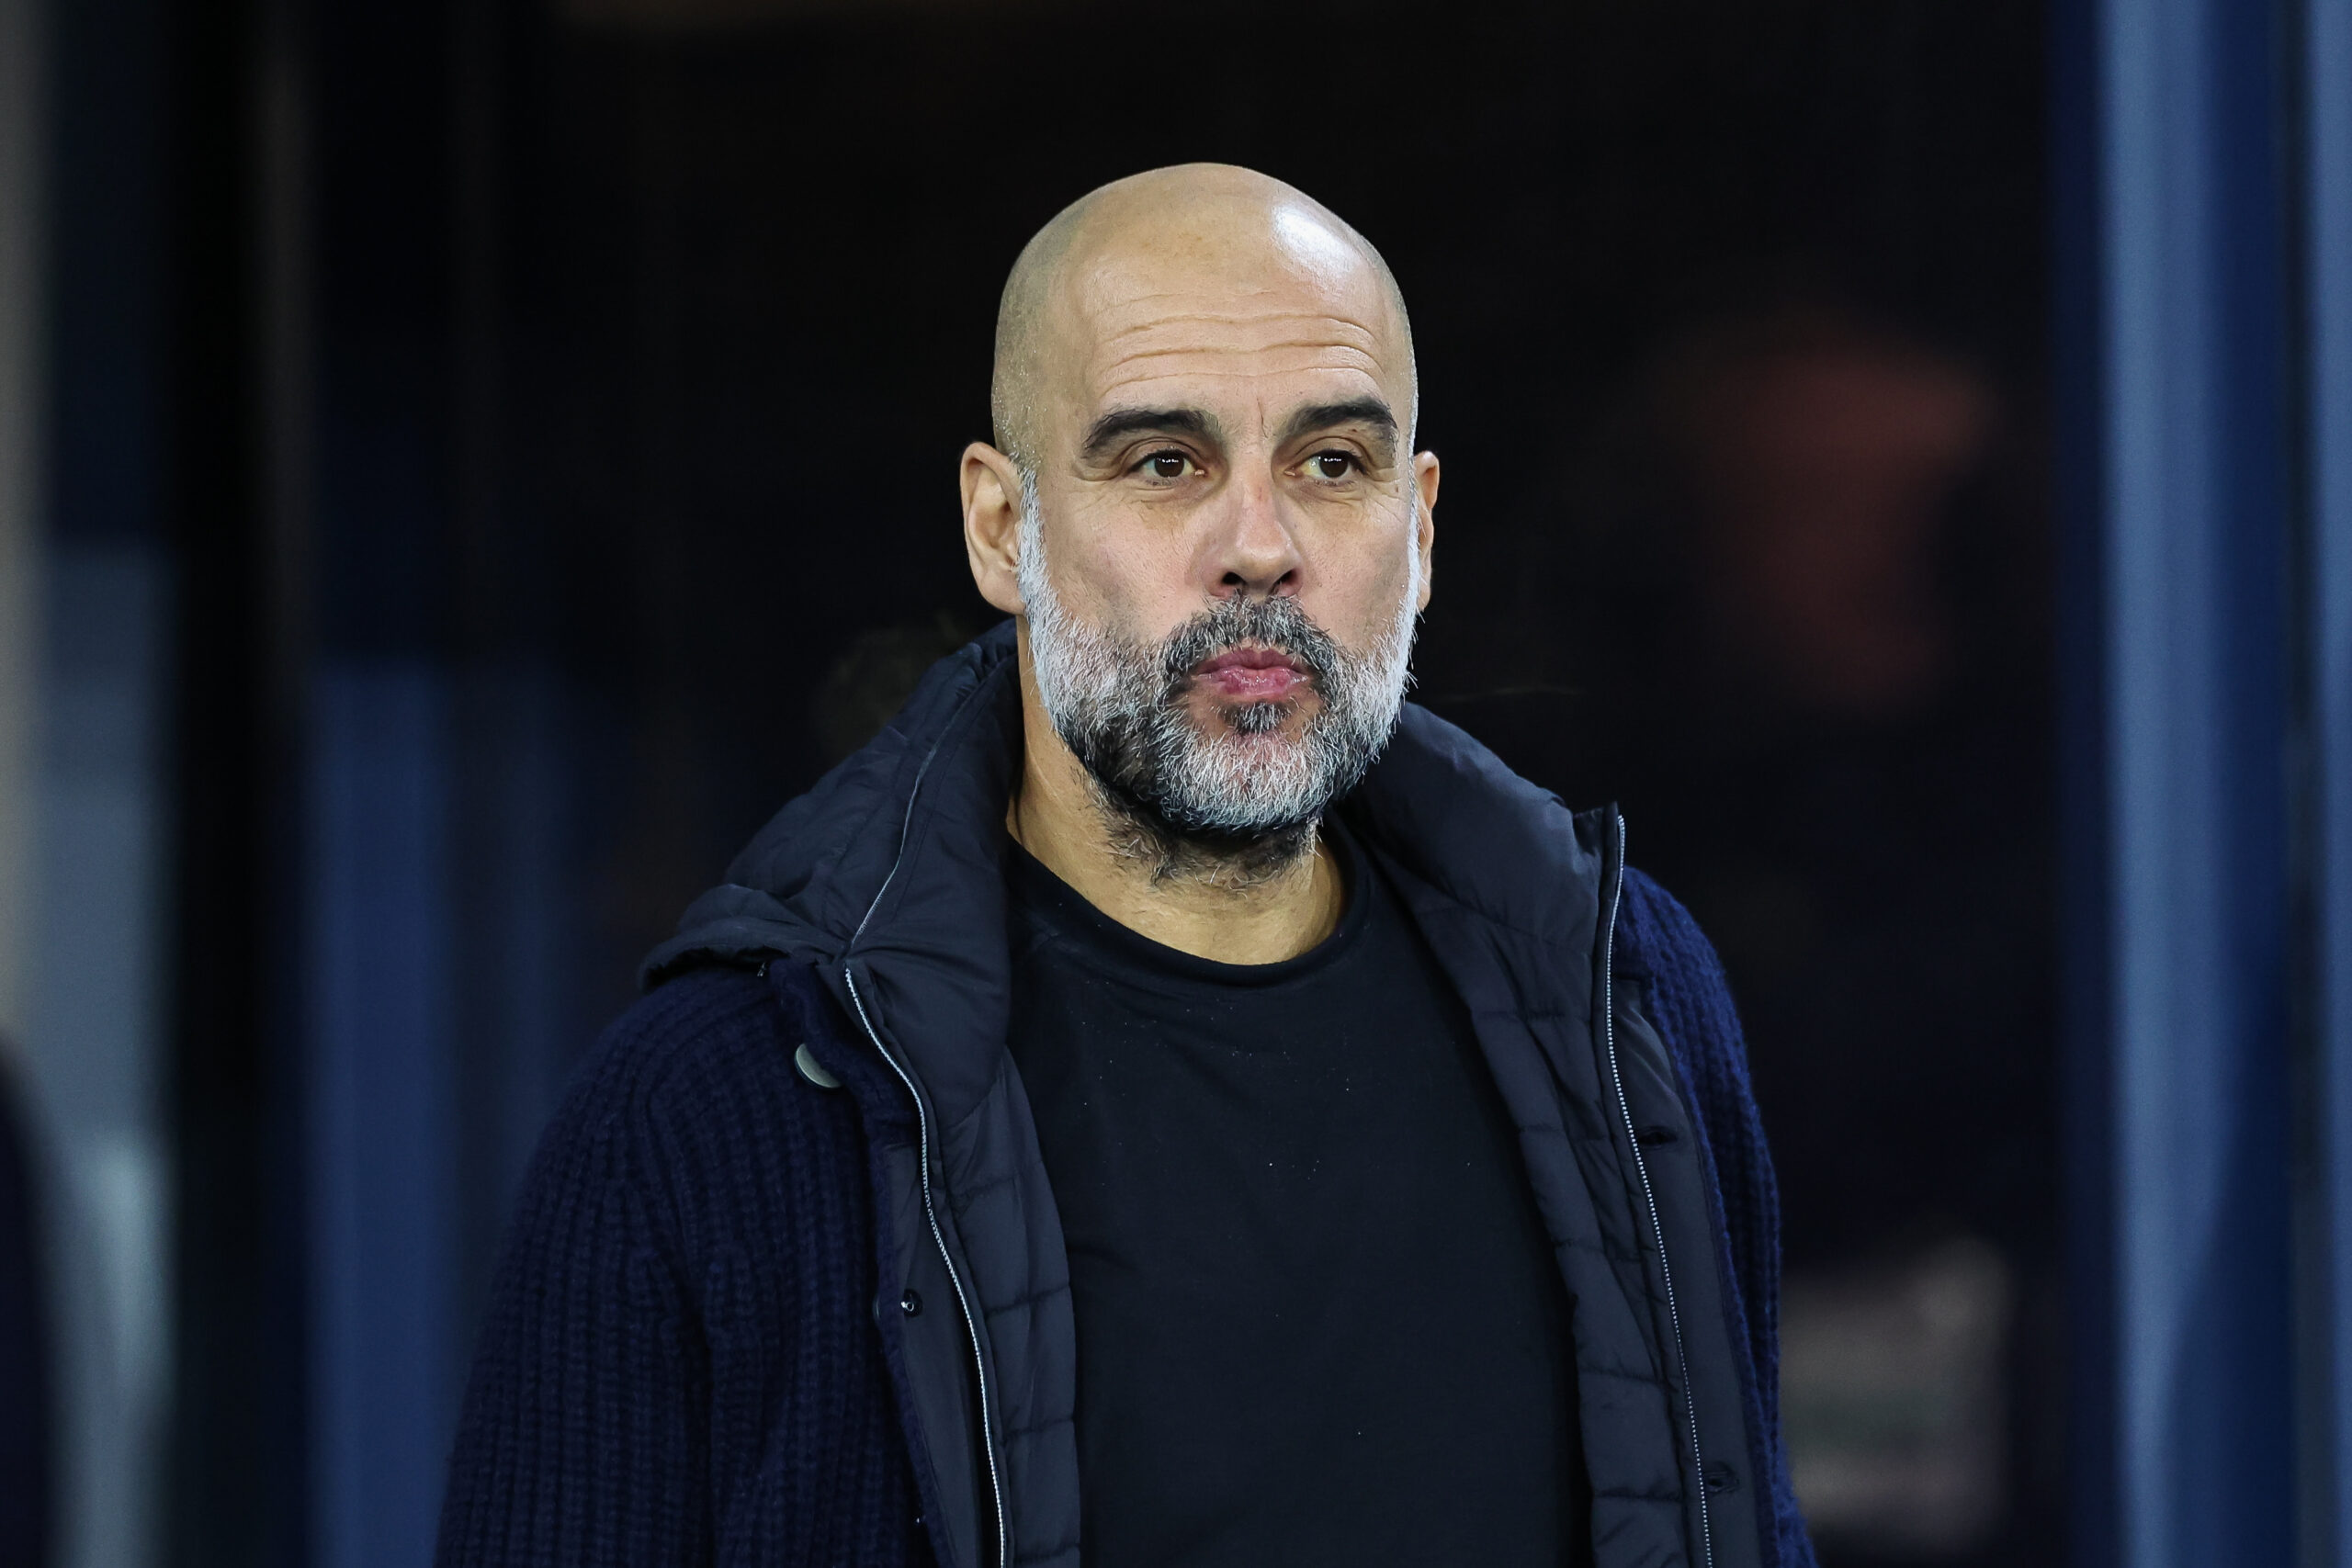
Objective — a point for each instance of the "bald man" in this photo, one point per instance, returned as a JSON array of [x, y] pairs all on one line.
[[1167, 1101]]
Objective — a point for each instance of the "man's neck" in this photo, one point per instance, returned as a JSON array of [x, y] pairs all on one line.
[[1057, 815]]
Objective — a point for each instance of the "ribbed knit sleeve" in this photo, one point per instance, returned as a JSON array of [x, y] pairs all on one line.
[[583, 1439], [1689, 1000]]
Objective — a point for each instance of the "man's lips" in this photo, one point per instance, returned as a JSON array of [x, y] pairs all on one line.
[[1250, 675]]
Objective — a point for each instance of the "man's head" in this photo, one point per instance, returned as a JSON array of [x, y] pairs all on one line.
[[1205, 506]]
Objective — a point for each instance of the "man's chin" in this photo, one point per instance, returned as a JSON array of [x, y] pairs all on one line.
[[1218, 723], [1194, 829]]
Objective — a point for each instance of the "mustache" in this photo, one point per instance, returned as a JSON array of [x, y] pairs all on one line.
[[1276, 624]]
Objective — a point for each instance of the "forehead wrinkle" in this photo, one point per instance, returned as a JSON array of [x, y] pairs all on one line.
[[1312, 344], [1243, 375], [1347, 325], [1343, 344], [1120, 388], [1098, 294]]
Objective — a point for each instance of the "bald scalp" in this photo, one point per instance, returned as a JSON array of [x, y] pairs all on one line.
[[1120, 213]]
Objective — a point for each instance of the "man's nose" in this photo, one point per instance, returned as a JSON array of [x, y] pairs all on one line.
[[1257, 553]]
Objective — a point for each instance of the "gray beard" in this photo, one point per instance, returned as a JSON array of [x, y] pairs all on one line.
[[1236, 801]]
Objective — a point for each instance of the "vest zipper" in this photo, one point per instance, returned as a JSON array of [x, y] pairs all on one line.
[[963, 1302], [1649, 1196]]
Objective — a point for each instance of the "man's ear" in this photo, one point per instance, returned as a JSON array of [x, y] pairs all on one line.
[[992, 488], [1425, 516]]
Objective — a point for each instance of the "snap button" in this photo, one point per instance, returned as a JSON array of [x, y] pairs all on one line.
[[910, 1303], [814, 1070], [1722, 1477]]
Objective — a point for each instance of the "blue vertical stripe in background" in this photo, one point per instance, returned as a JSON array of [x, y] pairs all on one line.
[[2327, 237], [2195, 786], [2207, 384], [2181, 299], [383, 1112]]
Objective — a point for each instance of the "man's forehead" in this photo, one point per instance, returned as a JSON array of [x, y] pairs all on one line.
[[1259, 346], [1218, 279], [1228, 334]]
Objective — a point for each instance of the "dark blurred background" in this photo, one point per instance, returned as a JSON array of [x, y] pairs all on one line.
[[487, 458]]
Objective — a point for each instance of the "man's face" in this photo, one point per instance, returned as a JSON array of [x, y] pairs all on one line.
[[1228, 537]]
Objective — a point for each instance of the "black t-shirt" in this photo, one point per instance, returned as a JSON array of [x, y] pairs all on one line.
[[1318, 1320]]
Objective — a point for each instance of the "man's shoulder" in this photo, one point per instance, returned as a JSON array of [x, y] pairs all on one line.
[[691, 1123], [693, 1037], [1659, 939], [698, 1065]]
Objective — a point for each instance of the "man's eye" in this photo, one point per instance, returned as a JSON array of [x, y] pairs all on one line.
[[1167, 465], [1331, 466]]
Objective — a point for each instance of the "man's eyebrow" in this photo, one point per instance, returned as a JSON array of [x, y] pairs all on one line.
[[1355, 410], [1119, 423]]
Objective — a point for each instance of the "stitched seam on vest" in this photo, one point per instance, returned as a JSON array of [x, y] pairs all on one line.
[[1462, 897], [963, 1202], [987, 1096], [1645, 1380], [1017, 1303]]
